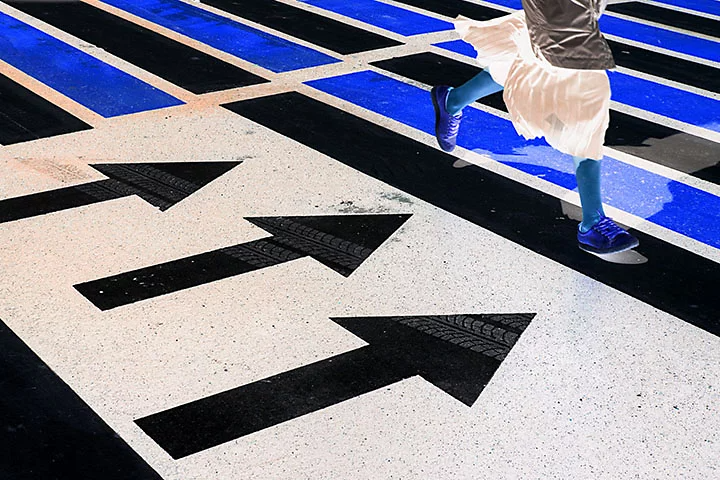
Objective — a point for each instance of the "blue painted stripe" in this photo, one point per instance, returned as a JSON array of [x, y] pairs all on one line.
[[648, 34], [705, 6], [659, 37], [516, 4], [654, 97], [382, 15], [255, 46], [668, 101], [458, 46], [679, 207], [92, 83]]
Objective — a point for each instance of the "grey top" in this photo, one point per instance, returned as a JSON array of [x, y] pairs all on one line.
[[566, 32]]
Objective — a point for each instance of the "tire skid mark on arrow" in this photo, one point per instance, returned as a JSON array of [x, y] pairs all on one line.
[[457, 353], [160, 184], [341, 243]]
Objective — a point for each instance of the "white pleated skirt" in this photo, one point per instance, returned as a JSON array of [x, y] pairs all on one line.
[[570, 108]]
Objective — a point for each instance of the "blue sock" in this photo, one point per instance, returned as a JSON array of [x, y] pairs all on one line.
[[587, 174], [477, 87]]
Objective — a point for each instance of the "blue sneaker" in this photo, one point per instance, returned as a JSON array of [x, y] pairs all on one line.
[[606, 237], [446, 125]]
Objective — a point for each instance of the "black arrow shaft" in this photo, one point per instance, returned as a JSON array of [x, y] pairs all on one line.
[[229, 415], [150, 282], [339, 242], [52, 201], [456, 353]]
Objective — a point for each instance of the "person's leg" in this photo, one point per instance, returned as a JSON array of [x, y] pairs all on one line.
[[587, 174], [477, 87], [449, 102], [597, 233]]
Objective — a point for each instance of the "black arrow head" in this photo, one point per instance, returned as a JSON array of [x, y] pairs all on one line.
[[457, 353], [340, 242], [162, 184]]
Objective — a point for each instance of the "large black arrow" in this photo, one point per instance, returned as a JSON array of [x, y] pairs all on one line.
[[160, 184], [458, 353], [340, 242]]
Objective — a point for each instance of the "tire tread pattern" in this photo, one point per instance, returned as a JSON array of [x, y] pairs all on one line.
[[492, 335]]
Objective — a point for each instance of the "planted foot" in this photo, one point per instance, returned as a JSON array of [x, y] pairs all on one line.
[[606, 237]]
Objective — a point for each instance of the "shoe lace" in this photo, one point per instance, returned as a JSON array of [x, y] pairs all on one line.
[[454, 124], [608, 228]]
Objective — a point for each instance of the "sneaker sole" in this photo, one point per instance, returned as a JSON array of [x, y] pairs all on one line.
[[589, 249]]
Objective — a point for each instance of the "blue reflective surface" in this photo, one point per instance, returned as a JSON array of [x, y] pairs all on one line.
[[458, 46], [653, 97], [250, 44], [385, 16], [659, 37], [706, 6], [671, 102], [668, 203], [90, 82]]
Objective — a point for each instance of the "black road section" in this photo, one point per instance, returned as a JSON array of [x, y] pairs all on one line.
[[453, 8], [642, 138], [186, 67], [316, 29], [674, 280], [48, 432], [683, 71], [25, 116], [458, 354], [160, 184], [667, 16], [341, 243], [664, 66]]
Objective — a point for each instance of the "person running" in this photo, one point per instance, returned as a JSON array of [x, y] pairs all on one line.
[[550, 60]]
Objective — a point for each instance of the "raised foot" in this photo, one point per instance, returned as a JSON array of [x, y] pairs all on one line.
[[446, 125]]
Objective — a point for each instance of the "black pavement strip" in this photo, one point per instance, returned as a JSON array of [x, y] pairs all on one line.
[[184, 66], [47, 432], [25, 116], [665, 66], [667, 16], [453, 8], [636, 58], [674, 280], [311, 27], [642, 138]]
